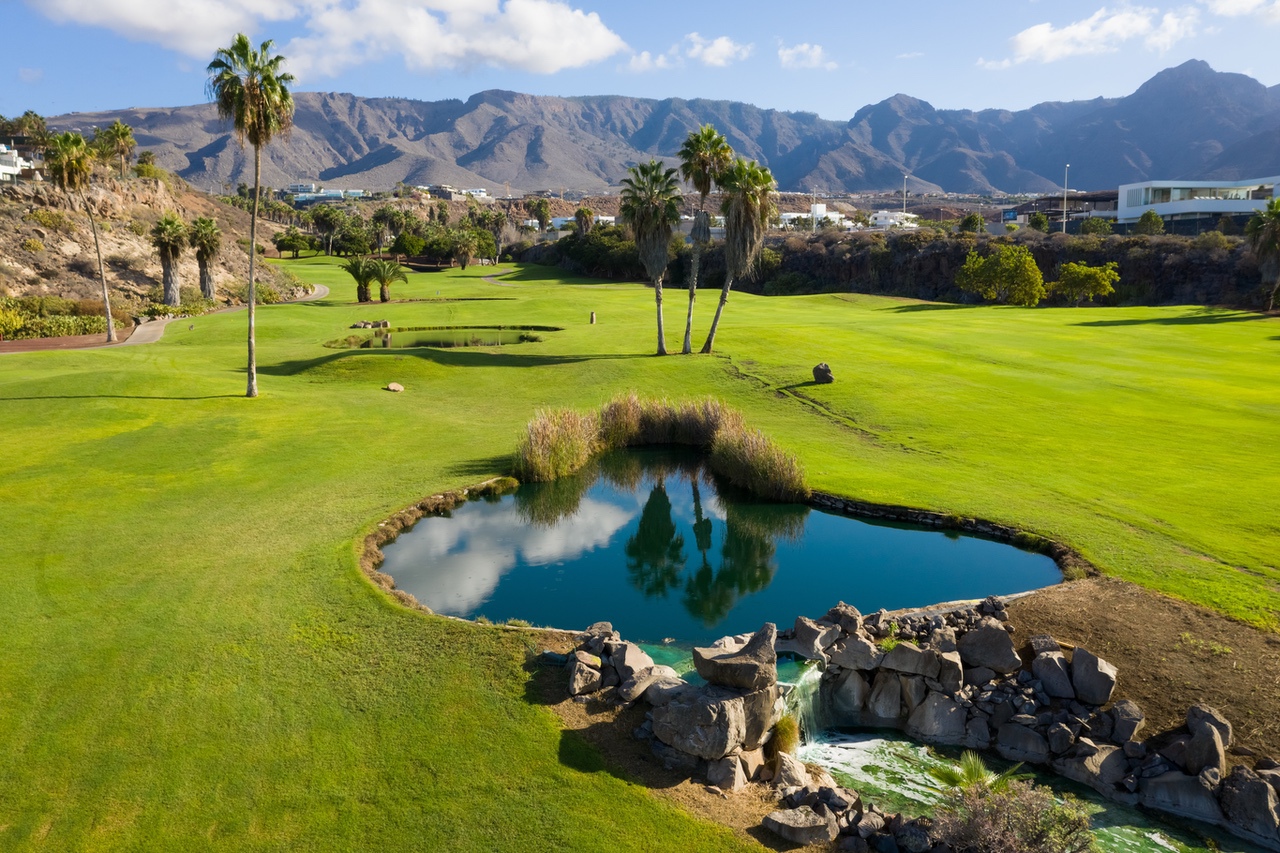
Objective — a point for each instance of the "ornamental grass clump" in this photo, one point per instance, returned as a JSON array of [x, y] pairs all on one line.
[[750, 460], [556, 444]]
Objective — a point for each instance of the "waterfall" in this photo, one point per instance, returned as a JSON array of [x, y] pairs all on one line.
[[804, 703]]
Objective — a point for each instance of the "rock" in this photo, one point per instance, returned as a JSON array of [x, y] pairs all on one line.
[[853, 844], [1093, 677], [395, 387], [726, 774], [752, 761], [1134, 750], [1205, 750], [1051, 669], [752, 667], [609, 678], [1127, 720], [870, 824], [913, 692], [1180, 794], [989, 645], [1250, 804], [791, 772], [1019, 743], [641, 680], [822, 376], [666, 689], [628, 658], [1200, 716], [909, 658], [855, 652], [938, 720], [942, 639], [674, 759], [802, 826], [761, 711], [950, 671], [884, 844], [844, 695], [1060, 738], [1102, 770], [709, 723], [846, 616], [977, 734], [583, 678], [810, 639], [912, 838], [978, 675], [886, 697], [1041, 644]]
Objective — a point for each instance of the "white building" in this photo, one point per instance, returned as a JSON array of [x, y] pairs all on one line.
[[11, 164], [886, 219], [1174, 200], [294, 189]]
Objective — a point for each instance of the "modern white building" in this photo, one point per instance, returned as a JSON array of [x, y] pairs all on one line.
[[886, 219], [1174, 200], [294, 189], [11, 164]]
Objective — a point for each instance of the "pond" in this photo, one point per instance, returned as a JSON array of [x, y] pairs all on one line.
[[446, 337], [651, 541]]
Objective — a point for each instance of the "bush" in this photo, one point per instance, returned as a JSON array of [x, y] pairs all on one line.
[[750, 459], [150, 170], [32, 245], [54, 220], [265, 293], [10, 323], [786, 735], [138, 228], [1019, 818]]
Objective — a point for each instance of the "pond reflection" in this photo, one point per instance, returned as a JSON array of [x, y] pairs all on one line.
[[651, 541]]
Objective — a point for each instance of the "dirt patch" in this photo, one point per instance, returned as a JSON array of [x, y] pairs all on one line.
[[1170, 654], [67, 342]]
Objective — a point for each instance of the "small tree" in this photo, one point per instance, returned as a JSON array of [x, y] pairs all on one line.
[[972, 224], [1096, 225], [540, 209], [385, 273], [328, 221], [409, 245], [1149, 224], [206, 240], [1009, 275], [291, 240], [169, 236], [465, 246], [361, 270], [1038, 222], [1082, 283], [117, 141]]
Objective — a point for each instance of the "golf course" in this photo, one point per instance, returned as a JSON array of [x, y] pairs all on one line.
[[192, 659]]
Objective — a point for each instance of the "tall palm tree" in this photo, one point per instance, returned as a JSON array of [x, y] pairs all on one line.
[[651, 206], [1263, 232], [747, 210], [465, 246], [117, 141], [584, 218], [705, 154], [252, 91], [384, 273], [362, 271], [69, 165], [169, 236], [206, 239]]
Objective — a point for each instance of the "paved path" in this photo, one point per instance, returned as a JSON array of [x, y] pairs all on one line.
[[493, 280]]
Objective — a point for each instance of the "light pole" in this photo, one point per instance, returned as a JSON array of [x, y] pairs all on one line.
[[1066, 171], [904, 194]]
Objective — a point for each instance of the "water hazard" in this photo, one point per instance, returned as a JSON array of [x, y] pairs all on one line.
[[652, 542]]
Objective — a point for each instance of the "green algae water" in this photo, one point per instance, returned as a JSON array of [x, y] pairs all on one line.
[[652, 542]]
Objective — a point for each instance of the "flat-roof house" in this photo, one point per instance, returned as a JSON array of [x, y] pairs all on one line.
[[894, 219], [1183, 200], [12, 164]]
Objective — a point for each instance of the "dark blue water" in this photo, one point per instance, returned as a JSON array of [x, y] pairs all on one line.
[[651, 542]]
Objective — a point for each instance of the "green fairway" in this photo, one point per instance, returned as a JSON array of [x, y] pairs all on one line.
[[190, 658]]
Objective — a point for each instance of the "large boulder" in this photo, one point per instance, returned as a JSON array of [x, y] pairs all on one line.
[[1200, 717], [751, 667], [1180, 794], [844, 695], [1250, 804], [810, 639], [822, 375], [1016, 742], [1205, 750], [666, 689], [989, 645], [913, 692], [846, 616], [802, 826], [1093, 677], [1051, 669], [856, 652], [950, 671], [641, 680], [910, 658], [1128, 720], [1101, 768], [886, 697], [709, 723], [584, 674], [791, 772], [628, 658], [938, 719], [761, 710], [726, 774]]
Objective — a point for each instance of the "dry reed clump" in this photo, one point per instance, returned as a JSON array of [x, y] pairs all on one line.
[[560, 443], [556, 444]]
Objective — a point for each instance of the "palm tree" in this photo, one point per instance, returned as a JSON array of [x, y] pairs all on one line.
[[251, 90], [384, 273], [972, 772], [117, 141], [465, 246], [1263, 232], [584, 218], [704, 155], [651, 206], [146, 158], [69, 165], [361, 270], [747, 211], [169, 236], [206, 239]]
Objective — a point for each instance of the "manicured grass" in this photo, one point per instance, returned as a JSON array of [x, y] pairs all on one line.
[[190, 658]]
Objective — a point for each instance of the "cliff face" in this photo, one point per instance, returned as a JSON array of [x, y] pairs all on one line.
[[1186, 122]]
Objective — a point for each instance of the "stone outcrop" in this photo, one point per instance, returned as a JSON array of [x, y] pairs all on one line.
[[991, 646], [749, 667], [802, 826], [1093, 677]]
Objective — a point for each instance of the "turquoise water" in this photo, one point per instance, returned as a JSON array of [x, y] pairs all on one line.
[[651, 542]]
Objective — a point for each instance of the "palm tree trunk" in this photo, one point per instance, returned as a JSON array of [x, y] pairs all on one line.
[[384, 293], [657, 296], [693, 295], [170, 278], [206, 279], [251, 389], [1271, 303], [715, 321], [102, 270]]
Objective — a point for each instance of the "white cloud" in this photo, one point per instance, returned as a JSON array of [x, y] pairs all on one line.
[[646, 61], [539, 36], [1268, 10], [804, 55], [913, 55], [717, 52], [30, 76], [1101, 32]]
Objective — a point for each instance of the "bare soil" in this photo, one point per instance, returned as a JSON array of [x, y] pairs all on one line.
[[67, 342]]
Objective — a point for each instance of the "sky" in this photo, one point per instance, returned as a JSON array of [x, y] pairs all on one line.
[[829, 58]]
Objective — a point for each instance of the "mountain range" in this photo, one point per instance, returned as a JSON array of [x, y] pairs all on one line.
[[1186, 122]]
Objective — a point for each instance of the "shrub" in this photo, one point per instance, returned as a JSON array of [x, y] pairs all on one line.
[[1019, 818], [265, 294], [32, 245], [150, 170], [138, 228], [786, 735], [10, 323], [54, 220]]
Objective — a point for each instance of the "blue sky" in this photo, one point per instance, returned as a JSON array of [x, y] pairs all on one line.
[[829, 58]]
